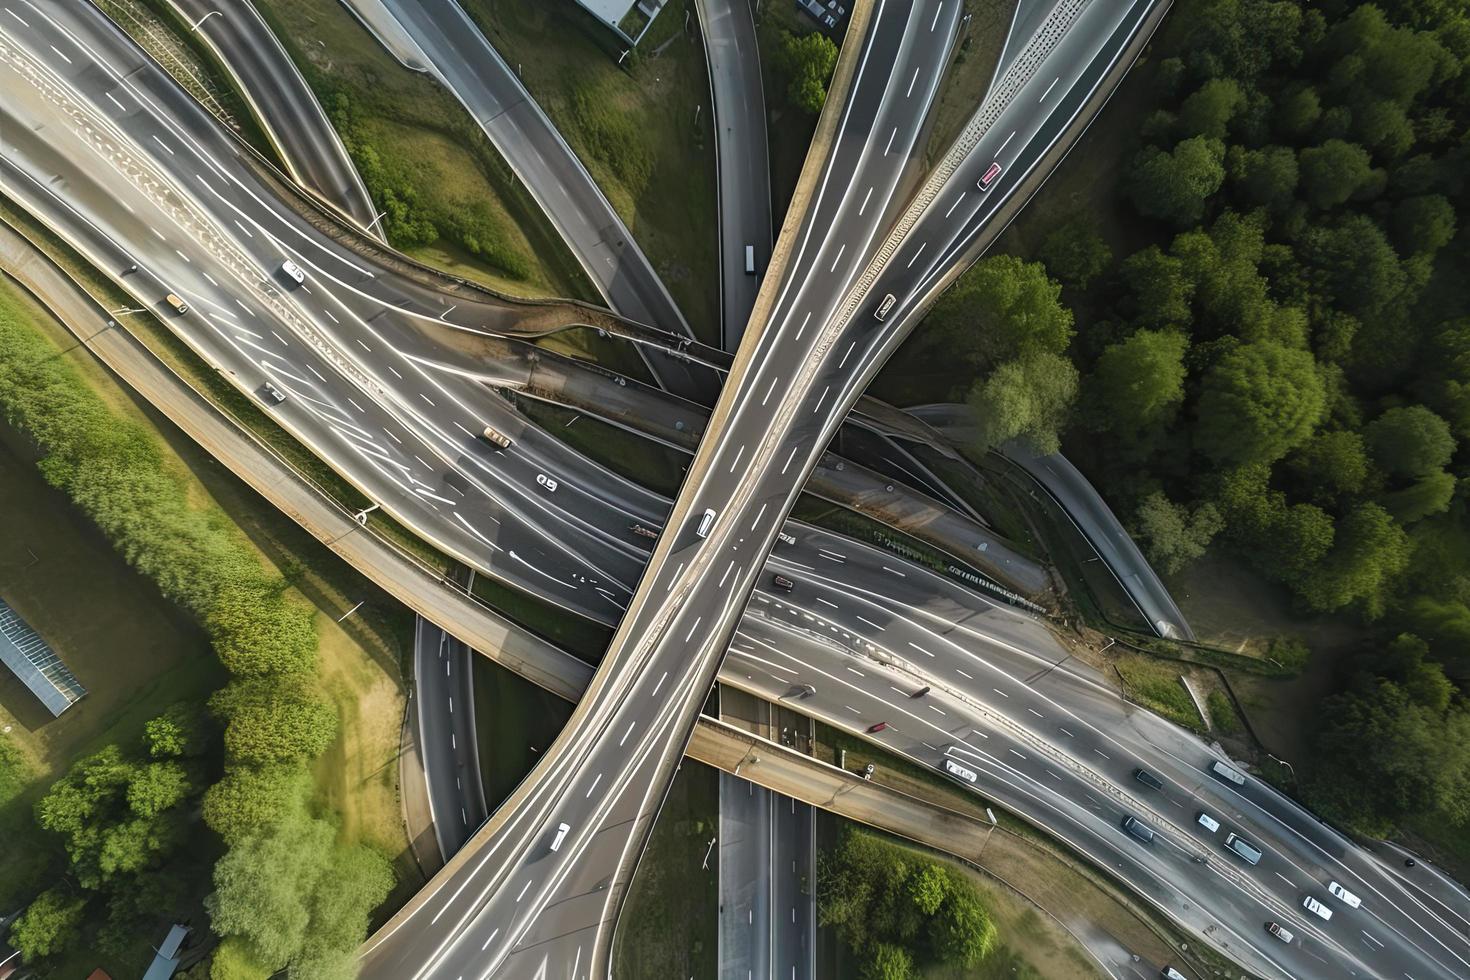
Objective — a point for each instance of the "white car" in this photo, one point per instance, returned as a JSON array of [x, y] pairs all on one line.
[[546, 482], [293, 270], [1280, 932], [1343, 895], [1316, 908], [1208, 822]]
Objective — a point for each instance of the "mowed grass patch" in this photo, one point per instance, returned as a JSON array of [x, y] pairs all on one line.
[[416, 146], [642, 130], [670, 921], [1155, 685]]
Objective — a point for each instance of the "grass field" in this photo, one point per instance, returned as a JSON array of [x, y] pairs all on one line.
[[427, 146], [670, 921], [642, 131], [1155, 684]]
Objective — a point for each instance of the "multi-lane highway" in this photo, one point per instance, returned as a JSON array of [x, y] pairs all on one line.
[[527, 904], [443, 672], [510, 903]]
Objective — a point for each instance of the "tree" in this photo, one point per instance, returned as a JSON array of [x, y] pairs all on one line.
[[1391, 748], [1330, 465], [1139, 381], [1027, 398], [1367, 556], [233, 959], [256, 630], [341, 904], [1000, 309], [156, 787], [1285, 541], [1267, 177], [1410, 441], [263, 887], [888, 962], [1423, 224], [1172, 536], [274, 720], [963, 933], [1335, 171], [250, 799], [1427, 495], [48, 925], [1297, 111], [1075, 252], [1162, 292], [1174, 185], [1257, 403], [1208, 110], [808, 60], [179, 732]]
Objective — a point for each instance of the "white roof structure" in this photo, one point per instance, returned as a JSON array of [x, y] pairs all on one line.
[[612, 12], [36, 664]]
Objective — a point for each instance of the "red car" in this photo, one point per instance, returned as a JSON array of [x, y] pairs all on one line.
[[878, 727]]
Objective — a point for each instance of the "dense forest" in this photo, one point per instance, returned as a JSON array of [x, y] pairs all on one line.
[[1282, 370]]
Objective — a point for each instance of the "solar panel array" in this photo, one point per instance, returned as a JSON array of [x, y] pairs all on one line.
[[36, 664]]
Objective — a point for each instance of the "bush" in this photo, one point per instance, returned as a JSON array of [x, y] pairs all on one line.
[[1290, 652], [48, 924], [14, 772]]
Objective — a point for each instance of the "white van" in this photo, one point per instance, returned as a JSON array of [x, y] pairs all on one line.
[[960, 772], [882, 311], [561, 835], [1221, 771], [1343, 895], [705, 523], [1318, 909], [1243, 849]]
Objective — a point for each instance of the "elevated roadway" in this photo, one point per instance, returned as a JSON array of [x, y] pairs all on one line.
[[686, 533]]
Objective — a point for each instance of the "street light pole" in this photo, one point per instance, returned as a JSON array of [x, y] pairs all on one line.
[[201, 20]]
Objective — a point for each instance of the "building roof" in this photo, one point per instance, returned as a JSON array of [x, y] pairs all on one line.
[[36, 664], [166, 958]]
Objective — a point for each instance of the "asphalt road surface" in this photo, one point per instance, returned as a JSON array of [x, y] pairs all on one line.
[[284, 103], [102, 78], [742, 160], [444, 682]]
